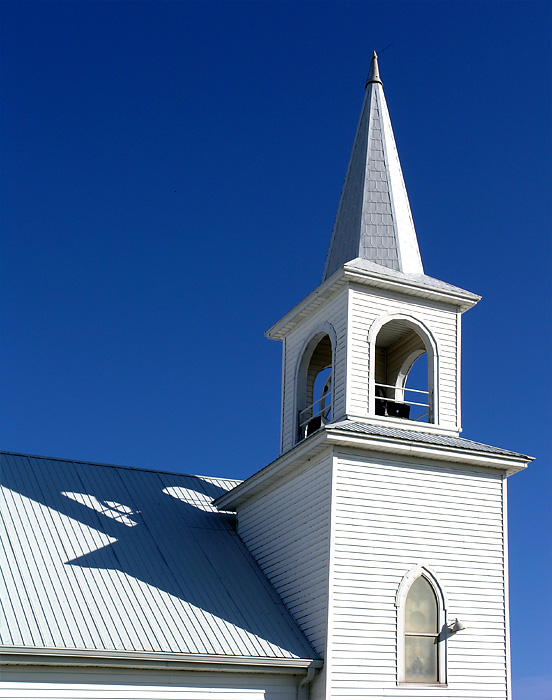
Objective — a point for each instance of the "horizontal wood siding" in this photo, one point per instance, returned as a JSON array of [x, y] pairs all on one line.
[[388, 517], [367, 307], [43, 683], [287, 531], [333, 312]]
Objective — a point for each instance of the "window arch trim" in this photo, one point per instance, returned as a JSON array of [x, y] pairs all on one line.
[[420, 569], [307, 349]]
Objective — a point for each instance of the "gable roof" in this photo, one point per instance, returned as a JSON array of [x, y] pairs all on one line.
[[374, 221], [113, 558]]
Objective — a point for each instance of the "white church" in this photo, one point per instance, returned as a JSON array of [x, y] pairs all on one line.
[[368, 560]]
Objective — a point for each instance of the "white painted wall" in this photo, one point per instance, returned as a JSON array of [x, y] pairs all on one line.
[[339, 535], [388, 516], [287, 531], [354, 313], [59, 683]]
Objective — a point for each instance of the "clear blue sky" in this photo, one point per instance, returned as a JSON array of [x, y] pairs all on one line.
[[170, 176]]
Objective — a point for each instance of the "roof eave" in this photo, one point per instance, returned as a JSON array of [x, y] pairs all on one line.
[[457, 297], [18, 656], [461, 455], [282, 327], [329, 436], [277, 469]]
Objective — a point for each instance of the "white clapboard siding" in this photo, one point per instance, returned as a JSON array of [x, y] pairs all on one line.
[[287, 531], [388, 516], [58, 683], [365, 308], [334, 312]]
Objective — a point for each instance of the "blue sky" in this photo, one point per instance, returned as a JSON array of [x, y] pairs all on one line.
[[170, 176]]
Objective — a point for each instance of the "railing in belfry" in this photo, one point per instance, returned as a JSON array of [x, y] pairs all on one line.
[[314, 416], [391, 403]]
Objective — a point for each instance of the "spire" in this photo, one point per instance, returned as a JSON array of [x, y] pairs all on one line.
[[374, 221], [373, 76]]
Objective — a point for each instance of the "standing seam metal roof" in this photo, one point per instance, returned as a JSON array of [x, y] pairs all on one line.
[[419, 436], [111, 558]]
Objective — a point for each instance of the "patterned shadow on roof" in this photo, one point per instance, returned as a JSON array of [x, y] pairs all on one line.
[[116, 558]]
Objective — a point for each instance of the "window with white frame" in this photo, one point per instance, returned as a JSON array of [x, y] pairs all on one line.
[[421, 619]]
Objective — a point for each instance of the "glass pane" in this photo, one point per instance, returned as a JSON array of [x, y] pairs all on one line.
[[421, 659], [421, 608]]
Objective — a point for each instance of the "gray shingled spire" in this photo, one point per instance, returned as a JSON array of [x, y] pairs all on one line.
[[374, 221]]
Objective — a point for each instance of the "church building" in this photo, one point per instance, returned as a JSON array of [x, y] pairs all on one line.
[[368, 560]]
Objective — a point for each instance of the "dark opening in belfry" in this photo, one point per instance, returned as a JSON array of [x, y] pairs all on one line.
[[402, 381], [314, 386]]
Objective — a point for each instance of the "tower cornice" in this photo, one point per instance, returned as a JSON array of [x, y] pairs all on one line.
[[351, 435], [378, 277]]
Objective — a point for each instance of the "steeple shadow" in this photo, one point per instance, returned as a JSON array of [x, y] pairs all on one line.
[[157, 529]]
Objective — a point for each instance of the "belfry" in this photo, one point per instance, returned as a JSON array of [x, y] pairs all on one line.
[[376, 313]]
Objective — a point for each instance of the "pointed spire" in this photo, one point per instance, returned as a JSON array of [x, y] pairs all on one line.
[[373, 76], [374, 221]]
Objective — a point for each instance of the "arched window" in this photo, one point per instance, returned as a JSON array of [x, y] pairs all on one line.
[[421, 630], [403, 372], [421, 624], [314, 385]]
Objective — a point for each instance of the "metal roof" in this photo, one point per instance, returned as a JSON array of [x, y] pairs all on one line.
[[420, 437], [374, 221], [101, 557], [420, 279]]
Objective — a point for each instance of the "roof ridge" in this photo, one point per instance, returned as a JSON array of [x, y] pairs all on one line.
[[115, 466]]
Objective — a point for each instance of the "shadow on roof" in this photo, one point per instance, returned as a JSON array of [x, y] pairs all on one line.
[[107, 531]]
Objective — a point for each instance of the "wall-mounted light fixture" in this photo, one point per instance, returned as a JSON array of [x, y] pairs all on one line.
[[456, 626]]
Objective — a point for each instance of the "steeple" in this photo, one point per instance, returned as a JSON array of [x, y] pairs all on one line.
[[374, 487], [374, 221]]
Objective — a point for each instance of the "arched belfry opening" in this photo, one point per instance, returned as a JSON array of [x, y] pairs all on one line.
[[403, 372], [314, 386]]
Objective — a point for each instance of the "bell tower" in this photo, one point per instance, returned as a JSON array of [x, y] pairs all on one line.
[[376, 313], [381, 528]]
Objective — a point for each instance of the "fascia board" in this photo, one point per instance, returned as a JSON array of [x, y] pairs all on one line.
[[282, 327], [273, 472], [464, 300], [510, 465], [18, 656], [314, 445]]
